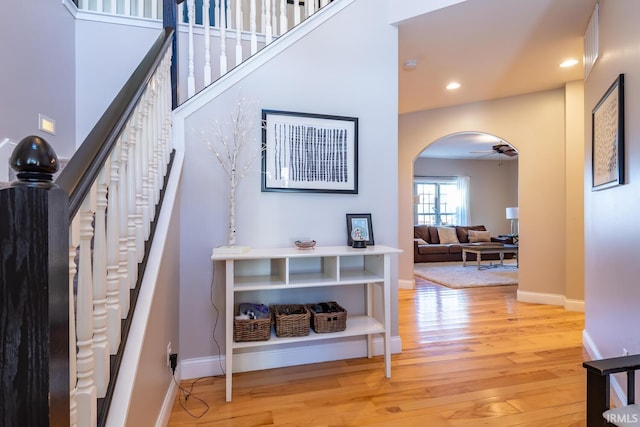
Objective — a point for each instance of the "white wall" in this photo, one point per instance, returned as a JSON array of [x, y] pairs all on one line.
[[534, 124], [400, 10], [38, 74], [612, 232], [107, 54], [492, 187], [334, 70]]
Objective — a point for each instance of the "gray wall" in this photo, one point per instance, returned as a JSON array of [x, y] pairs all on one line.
[[492, 187], [107, 53], [153, 377], [38, 74], [612, 293], [337, 70]]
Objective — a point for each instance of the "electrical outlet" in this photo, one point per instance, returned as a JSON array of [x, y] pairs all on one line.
[[173, 362], [169, 355]]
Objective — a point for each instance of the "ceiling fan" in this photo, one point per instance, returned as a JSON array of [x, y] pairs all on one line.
[[500, 148]]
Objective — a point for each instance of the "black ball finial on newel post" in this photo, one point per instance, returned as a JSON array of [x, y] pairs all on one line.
[[34, 161]]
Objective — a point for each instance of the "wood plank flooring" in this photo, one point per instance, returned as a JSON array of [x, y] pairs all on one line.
[[471, 357]]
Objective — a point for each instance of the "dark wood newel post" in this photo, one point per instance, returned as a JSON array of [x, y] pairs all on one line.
[[169, 20], [34, 292]]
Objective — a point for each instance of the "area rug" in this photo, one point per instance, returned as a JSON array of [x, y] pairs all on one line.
[[454, 275]]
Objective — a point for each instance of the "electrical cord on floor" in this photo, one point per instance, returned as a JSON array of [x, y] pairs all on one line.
[[215, 324], [186, 394]]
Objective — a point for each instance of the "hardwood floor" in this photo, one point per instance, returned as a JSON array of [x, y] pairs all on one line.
[[471, 357]]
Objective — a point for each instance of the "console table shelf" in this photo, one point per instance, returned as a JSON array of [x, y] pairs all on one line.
[[276, 269]]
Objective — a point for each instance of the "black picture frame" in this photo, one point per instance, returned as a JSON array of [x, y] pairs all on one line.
[[360, 220], [607, 138], [310, 153]]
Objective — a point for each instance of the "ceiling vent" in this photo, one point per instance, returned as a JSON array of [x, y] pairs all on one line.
[[591, 43]]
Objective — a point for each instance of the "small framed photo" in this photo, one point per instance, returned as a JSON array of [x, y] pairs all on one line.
[[311, 153], [607, 136], [359, 226]]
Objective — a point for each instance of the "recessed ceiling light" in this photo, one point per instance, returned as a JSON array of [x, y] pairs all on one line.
[[410, 65], [569, 63], [453, 85]]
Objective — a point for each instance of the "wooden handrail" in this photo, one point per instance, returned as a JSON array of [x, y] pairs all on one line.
[[78, 176]]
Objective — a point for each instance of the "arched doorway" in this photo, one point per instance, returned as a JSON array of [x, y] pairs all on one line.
[[466, 178]]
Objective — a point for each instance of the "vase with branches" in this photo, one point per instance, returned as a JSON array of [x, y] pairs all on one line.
[[234, 147]]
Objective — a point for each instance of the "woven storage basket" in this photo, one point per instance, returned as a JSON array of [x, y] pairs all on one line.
[[252, 329], [328, 322], [292, 320]]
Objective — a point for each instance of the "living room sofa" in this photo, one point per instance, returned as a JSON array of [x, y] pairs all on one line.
[[427, 246]]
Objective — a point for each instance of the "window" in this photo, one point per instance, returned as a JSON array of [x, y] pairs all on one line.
[[441, 200]]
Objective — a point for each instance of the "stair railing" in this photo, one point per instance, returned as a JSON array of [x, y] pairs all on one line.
[[215, 27], [73, 253]]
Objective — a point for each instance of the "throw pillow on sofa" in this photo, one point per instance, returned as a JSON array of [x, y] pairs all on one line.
[[476, 236], [447, 235]]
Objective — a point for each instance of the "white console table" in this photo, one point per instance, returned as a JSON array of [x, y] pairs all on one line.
[[291, 268]]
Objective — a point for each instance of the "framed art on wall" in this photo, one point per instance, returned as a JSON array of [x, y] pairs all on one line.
[[359, 226], [607, 138], [306, 152]]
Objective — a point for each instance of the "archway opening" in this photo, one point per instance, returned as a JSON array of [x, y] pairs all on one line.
[[466, 178]]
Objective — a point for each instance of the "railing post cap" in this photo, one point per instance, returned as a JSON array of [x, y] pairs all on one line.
[[34, 161]]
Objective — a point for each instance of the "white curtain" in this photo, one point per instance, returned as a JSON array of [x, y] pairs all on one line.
[[462, 213]]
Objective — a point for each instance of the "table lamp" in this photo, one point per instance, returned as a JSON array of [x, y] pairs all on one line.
[[512, 214]]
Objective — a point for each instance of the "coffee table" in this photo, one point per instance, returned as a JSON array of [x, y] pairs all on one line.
[[488, 248]]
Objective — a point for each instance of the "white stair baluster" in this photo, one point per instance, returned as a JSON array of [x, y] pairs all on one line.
[[267, 19], [284, 22], [274, 18], [252, 27], [127, 8], [99, 6], [113, 7], [140, 8], [154, 9], [216, 13], [74, 241], [100, 344], [124, 274], [263, 17], [223, 38], [238, 32], [311, 7], [206, 7], [86, 396], [296, 12], [155, 147], [166, 121], [323, 3], [143, 225], [113, 240], [191, 78], [132, 217]]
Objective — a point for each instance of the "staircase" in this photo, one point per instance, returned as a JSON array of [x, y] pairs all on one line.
[[113, 189]]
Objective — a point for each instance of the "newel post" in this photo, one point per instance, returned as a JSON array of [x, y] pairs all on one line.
[[169, 20], [34, 292]]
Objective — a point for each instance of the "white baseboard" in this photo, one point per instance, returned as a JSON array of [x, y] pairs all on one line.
[[574, 305], [541, 298], [169, 398], [619, 396], [286, 356], [407, 284]]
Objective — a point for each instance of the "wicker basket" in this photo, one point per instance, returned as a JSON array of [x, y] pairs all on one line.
[[292, 320], [334, 321], [252, 329]]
